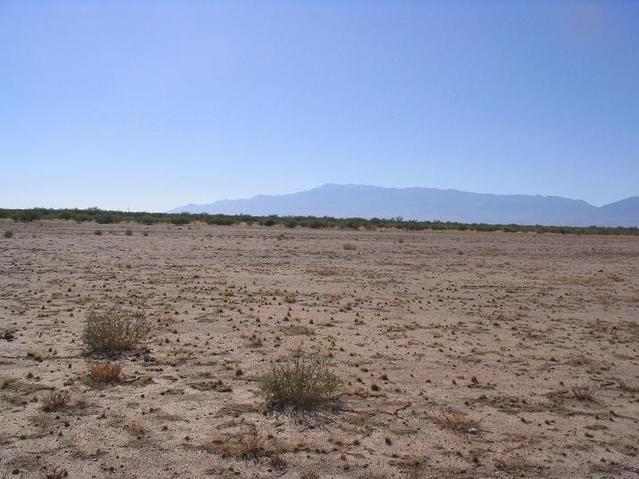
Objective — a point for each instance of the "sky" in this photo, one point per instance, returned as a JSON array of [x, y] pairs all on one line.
[[149, 105]]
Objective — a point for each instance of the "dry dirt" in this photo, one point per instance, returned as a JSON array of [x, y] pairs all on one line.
[[460, 352]]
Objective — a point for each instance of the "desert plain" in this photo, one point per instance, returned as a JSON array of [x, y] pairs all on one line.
[[461, 354]]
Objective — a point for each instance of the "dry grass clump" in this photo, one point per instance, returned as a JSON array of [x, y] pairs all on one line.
[[8, 234], [302, 381], [104, 372], [56, 472], [456, 421], [137, 427], [247, 444], [114, 330], [55, 400], [583, 391], [36, 355]]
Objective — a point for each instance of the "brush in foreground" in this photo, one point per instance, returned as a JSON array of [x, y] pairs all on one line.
[[104, 373], [114, 330], [583, 391], [55, 400], [302, 381]]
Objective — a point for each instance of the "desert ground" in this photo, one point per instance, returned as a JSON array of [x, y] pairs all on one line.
[[462, 354]]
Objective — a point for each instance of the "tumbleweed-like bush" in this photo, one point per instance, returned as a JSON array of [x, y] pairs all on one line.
[[302, 381], [114, 330]]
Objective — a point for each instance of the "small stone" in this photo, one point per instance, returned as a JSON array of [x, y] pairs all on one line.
[[149, 358]]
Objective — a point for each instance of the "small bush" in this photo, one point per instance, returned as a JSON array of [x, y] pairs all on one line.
[[246, 444], [56, 472], [104, 218], [249, 442], [8, 234], [104, 373], [303, 381], [55, 400], [137, 427], [114, 330], [583, 391], [456, 421]]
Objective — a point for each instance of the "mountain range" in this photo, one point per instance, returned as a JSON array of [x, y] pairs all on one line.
[[346, 201]]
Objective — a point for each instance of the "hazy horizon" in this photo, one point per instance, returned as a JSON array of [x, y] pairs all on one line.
[[252, 196], [405, 187], [151, 105]]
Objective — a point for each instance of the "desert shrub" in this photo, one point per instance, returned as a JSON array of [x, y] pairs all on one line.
[[249, 443], [183, 219], [456, 421], [27, 215], [56, 472], [302, 381], [219, 220], [137, 427], [104, 373], [8, 234], [114, 330], [583, 391], [55, 400], [104, 218]]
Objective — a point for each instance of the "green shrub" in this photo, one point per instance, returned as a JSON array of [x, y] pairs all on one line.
[[114, 330], [104, 218], [301, 381]]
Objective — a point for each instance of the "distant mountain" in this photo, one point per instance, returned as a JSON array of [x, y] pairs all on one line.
[[343, 201]]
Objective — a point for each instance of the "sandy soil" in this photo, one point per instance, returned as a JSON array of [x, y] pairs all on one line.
[[459, 351]]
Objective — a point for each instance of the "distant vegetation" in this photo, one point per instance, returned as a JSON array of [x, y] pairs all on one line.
[[108, 217]]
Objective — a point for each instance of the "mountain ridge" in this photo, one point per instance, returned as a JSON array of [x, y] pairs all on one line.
[[428, 204]]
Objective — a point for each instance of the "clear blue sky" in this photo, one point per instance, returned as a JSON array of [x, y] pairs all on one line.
[[150, 105]]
